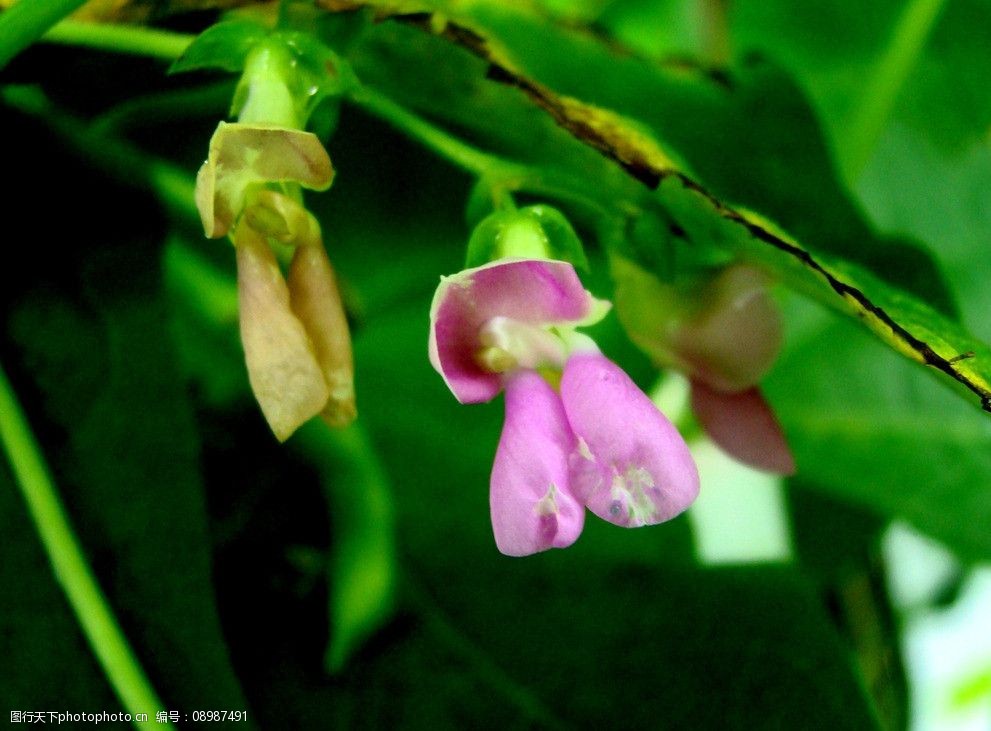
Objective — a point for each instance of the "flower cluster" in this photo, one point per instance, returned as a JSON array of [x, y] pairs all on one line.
[[578, 432]]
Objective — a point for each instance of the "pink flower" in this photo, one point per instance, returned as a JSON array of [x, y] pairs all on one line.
[[725, 336], [578, 432]]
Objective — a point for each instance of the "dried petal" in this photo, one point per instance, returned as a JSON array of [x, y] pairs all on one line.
[[533, 508], [282, 366], [630, 465], [316, 301], [743, 425], [241, 155], [533, 291]]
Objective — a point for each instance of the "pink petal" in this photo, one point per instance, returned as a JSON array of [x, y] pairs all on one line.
[[533, 508], [743, 425], [631, 466], [528, 290], [734, 339]]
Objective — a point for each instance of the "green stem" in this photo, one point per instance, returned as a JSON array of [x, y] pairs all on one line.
[[463, 155], [130, 39], [908, 38], [502, 174], [23, 23], [69, 565], [265, 82]]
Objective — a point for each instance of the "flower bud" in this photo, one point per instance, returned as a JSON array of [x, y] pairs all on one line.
[[733, 339], [726, 332]]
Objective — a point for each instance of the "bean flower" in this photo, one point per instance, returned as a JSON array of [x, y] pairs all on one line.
[[725, 336], [297, 347], [578, 432]]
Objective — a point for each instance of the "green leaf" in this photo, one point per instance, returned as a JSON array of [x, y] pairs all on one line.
[[134, 471], [749, 138], [873, 432], [26, 21], [896, 188], [840, 545], [117, 428], [224, 46], [842, 265], [687, 637], [837, 50], [363, 570], [928, 171]]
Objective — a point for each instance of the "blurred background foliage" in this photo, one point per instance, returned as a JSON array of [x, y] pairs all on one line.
[[349, 579]]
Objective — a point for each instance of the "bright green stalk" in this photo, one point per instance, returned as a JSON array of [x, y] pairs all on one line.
[[23, 23], [908, 38], [265, 85], [69, 565], [131, 39]]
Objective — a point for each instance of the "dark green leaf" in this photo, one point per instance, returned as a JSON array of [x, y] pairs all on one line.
[[764, 161], [45, 654], [880, 435], [117, 428]]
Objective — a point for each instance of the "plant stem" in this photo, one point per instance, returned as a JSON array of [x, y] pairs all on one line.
[[503, 175], [130, 39], [881, 92], [445, 145], [69, 565], [25, 21]]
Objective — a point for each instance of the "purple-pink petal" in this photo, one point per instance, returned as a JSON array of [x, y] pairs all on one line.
[[528, 290], [533, 508], [630, 465], [735, 338], [743, 425]]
